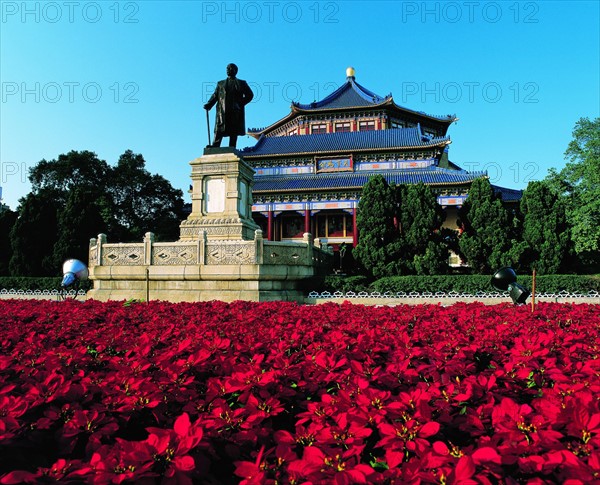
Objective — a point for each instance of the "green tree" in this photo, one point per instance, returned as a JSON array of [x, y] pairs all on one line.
[[545, 229], [420, 219], [33, 236], [76, 196], [377, 249], [434, 260], [142, 202], [48, 212], [82, 170], [487, 238], [79, 220], [579, 183], [7, 221]]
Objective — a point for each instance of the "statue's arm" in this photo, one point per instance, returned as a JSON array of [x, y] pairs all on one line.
[[212, 100], [248, 94]]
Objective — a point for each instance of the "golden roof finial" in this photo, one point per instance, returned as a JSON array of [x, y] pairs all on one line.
[[350, 72]]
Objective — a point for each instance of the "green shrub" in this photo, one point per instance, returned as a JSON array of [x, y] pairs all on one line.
[[433, 284], [36, 283], [460, 283], [558, 283], [345, 284]]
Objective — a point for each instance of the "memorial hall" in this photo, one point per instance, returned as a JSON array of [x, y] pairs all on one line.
[[312, 164]]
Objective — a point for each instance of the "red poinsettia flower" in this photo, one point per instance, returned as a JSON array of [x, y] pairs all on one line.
[[338, 469], [283, 393], [252, 473], [172, 447]]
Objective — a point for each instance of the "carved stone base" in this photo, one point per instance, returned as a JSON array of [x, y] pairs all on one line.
[[221, 197], [217, 228]]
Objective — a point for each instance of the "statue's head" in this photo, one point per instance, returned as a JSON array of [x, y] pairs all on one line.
[[232, 69]]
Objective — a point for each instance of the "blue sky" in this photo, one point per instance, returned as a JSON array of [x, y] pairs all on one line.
[[108, 76]]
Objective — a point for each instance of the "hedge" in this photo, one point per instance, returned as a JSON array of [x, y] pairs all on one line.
[[345, 284], [459, 283], [35, 283]]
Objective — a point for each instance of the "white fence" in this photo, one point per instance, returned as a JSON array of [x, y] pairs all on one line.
[[11, 294], [361, 297], [441, 294]]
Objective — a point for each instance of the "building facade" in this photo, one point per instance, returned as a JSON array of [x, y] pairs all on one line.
[[311, 165]]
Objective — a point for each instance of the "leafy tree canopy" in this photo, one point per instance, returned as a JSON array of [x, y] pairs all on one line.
[[33, 235], [143, 202], [579, 183], [7, 221], [375, 223], [487, 229], [545, 229], [77, 196], [420, 218], [74, 170], [398, 230]]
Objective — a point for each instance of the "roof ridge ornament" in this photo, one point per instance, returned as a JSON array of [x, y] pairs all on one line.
[[350, 72]]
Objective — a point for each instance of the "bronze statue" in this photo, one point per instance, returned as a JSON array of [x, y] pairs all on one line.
[[231, 96]]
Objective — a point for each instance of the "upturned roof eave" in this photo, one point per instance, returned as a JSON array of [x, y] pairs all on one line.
[[449, 119], [387, 102], [353, 150], [273, 126], [297, 111], [359, 186], [351, 187]]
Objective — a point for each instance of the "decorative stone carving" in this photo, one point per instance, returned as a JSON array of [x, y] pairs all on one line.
[[295, 255], [93, 254], [188, 233], [205, 221], [122, 254], [227, 253], [175, 254]]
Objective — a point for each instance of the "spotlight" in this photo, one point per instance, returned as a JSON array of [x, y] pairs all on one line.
[[74, 272], [506, 279]]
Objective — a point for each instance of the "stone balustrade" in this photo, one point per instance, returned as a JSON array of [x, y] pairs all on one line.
[[205, 251]]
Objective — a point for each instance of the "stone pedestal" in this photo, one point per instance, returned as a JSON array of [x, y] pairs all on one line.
[[221, 253], [221, 197]]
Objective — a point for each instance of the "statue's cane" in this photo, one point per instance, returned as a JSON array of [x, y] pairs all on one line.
[[208, 127]]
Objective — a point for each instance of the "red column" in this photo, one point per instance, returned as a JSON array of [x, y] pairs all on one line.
[[354, 228], [270, 226], [306, 220]]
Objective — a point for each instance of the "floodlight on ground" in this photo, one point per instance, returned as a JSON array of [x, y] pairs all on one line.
[[506, 279], [74, 272]]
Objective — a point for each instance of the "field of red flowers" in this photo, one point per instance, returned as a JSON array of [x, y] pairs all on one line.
[[279, 393]]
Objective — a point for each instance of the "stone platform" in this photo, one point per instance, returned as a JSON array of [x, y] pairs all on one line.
[[220, 255], [204, 269]]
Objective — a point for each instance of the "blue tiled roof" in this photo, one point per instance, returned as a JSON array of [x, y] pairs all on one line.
[[353, 95], [508, 195], [355, 180], [344, 142], [350, 94]]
